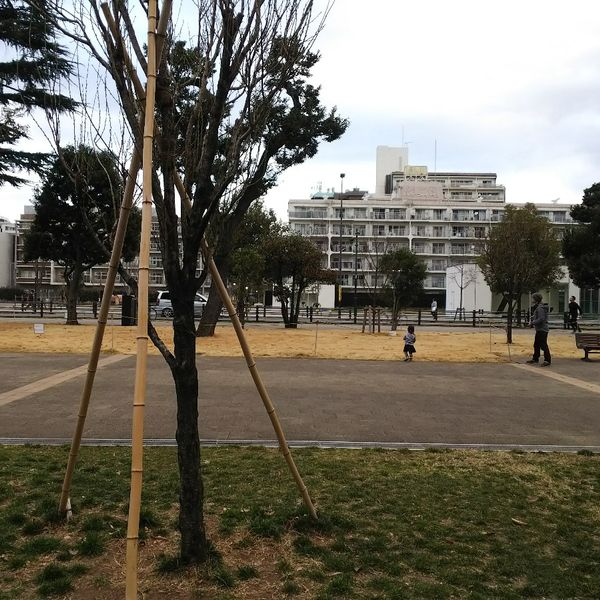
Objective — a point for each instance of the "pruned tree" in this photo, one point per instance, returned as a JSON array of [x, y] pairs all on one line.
[[294, 264], [519, 255], [404, 275], [581, 244], [76, 208], [247, 261], [232, 110], [243, 261], [27, 81]]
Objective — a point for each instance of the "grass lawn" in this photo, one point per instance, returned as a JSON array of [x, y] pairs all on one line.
[[393, 524]]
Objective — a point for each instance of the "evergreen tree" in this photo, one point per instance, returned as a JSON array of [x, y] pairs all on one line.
[[26, 83], [520, 254], [405, 273], [581, 244], [294, 263], [75, 212]]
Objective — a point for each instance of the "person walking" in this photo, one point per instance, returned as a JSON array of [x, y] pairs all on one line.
[[539, 320], [574, 314], [409, 343], [434, 309]]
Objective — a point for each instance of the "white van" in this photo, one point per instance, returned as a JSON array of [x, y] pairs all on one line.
[[164, 308]]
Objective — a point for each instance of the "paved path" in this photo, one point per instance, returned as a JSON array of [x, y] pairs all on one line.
[[319, 400]]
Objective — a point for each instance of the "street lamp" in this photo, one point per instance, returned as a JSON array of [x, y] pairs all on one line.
[[342, 175], [355, 272]]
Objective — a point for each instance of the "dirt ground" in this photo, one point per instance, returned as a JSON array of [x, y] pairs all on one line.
[[307, 341]]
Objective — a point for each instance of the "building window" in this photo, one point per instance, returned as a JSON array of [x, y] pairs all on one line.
[[397, 213], [378, 229], [459, 232], [438, 281], [439, 214], [460, 249], [438, 248], [419, 248], [438, 231], [438, 264], [379, 213], [396, 230], [460, 215]]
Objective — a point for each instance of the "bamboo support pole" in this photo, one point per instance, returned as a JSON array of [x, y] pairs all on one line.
[[111, 276], [258, 382], [139, 400], [116, 253]]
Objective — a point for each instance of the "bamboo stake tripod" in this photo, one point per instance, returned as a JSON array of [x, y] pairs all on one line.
[[154, 50]]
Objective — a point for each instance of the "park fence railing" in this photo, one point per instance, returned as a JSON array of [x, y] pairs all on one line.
[[380, 318]]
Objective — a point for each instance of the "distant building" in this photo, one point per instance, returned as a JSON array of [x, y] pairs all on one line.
[[441, 216], [47, 276]]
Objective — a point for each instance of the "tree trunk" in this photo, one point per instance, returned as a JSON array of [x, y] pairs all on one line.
[[241, 310], [509, 319], [394, 311], [211, 312], [194, 544], [73, 282]]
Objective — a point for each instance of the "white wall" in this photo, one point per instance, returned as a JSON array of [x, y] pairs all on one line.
[[476, 293], [7, 257]]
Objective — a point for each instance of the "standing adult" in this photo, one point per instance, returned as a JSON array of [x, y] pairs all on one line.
[[434, 309], [574, 313], [539, 320]]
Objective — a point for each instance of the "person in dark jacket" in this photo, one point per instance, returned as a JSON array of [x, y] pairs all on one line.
[[574, 313], [539, 320]]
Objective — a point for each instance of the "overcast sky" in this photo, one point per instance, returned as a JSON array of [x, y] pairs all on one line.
[[509, 87]]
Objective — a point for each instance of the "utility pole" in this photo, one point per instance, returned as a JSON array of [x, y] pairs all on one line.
[[342, 175]]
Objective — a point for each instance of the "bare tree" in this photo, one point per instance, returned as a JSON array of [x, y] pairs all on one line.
[[220, 100], [463, 275]]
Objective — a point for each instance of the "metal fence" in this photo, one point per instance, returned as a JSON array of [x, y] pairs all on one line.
[[333, 316]]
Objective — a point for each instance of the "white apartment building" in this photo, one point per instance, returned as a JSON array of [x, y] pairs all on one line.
[[441, 216]]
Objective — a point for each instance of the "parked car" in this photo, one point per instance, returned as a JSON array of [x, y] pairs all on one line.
[[164, 307]]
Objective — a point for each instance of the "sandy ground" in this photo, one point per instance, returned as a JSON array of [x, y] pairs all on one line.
[[307, 341]]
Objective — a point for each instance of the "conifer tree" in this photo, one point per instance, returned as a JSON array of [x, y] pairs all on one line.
[[27, 82]]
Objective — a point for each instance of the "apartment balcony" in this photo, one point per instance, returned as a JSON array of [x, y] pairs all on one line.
[[309, 214]]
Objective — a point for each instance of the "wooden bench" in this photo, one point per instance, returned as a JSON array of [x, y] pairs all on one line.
[[588, 342]]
